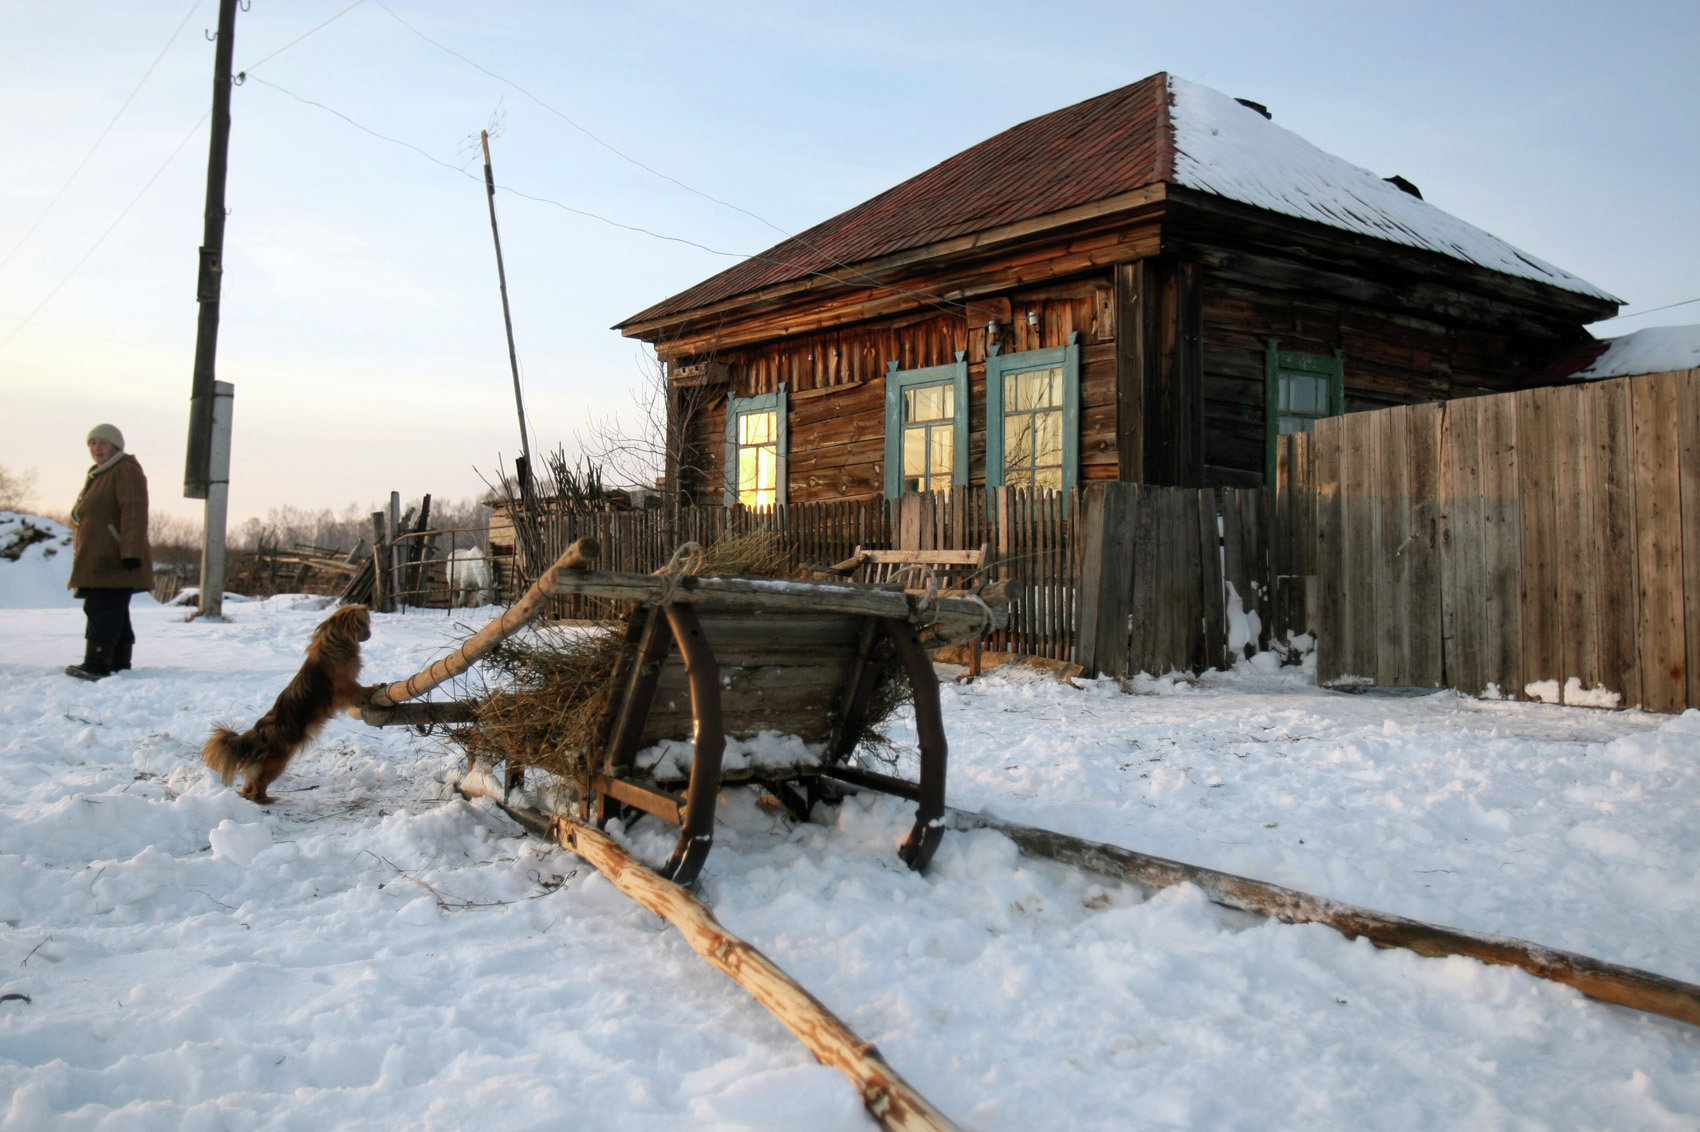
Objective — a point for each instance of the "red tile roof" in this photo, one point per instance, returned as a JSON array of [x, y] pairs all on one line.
[[1102, 147]]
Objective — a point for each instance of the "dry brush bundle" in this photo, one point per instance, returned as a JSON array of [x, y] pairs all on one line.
[[560, 682]]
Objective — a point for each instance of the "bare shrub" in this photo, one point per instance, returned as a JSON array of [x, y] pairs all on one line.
[[16, 488]]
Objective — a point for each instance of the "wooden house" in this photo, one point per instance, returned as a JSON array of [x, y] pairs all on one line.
[[1146, 286]]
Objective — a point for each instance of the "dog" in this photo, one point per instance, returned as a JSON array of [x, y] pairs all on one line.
[[328, 682]]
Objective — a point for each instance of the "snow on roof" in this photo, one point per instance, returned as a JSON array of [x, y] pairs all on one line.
[[1658, 349], [1228, 149]]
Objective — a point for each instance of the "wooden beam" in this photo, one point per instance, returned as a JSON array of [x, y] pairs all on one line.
[[1608, 982], [889, 1099], [576, 557]]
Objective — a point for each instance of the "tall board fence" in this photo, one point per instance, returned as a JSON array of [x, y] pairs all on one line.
[[1544, 543], [1173, 578]]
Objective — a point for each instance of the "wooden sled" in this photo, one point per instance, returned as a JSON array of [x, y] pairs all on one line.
[[706, 658]]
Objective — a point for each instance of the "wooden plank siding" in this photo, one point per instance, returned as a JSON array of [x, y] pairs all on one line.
[[1392, 356], [1543, 544]]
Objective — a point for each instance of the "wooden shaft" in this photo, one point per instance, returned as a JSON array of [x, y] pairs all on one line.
[[889, 1099], [1608, 982], [576, 557]]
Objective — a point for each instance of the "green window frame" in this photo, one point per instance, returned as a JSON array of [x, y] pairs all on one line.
[[926, 411], [758, 438], [1017, 428], [1299, 390]]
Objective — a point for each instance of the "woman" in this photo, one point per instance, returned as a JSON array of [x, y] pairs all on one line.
[[110, 558]]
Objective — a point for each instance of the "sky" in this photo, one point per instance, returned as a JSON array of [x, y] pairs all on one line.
[[639, 148]]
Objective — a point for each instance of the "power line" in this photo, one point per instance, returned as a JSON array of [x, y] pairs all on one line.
[[299, 38], [1654, 310], [103, 134], [852, 275], [581, 129], [109, 228]]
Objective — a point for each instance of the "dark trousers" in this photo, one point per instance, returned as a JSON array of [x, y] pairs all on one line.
[[108, 613]]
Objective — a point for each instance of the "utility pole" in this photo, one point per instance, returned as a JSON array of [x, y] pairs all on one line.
[[201, 480], [507, 318]]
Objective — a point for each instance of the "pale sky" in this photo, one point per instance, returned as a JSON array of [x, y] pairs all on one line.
[[361, 322]]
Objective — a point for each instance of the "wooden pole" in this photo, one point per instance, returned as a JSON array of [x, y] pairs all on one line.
[[1608, 982], [197, 474], [577, 557], [507, 317], [889, 1099]]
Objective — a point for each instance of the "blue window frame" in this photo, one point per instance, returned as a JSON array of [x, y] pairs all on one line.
[[1033, 417], [758, 436], [926, 427]]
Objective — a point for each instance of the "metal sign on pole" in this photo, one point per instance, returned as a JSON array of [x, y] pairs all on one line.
[[218, 502]]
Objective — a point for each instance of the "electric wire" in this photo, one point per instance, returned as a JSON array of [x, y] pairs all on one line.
[[851, 273], [1654, 310], [310, 31], [109, 229], [173, 156], [103, 134], [853, 276]]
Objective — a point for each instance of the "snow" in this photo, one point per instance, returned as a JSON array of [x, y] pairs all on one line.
[[1230, 150], [1658, 349], [37, 577], [375, 951]]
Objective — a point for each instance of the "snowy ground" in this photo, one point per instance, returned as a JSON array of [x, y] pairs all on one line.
[[374, 952]]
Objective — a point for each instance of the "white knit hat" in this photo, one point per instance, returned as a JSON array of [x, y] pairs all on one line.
[[108, 433]]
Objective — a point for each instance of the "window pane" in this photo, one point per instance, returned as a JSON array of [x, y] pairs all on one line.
[[929, 402], [1017, 441], [1048, 477], [1048, 441], [915, 452], [943, 453], [757, 428]]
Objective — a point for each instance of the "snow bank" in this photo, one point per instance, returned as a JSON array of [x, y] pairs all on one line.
[[35, 562]]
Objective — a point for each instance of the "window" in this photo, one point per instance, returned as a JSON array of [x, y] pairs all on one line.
[[926, 427], [1300, 389], [756, 439], [1033, 417]]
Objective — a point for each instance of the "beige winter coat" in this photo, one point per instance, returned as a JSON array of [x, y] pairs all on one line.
[[110, 524]]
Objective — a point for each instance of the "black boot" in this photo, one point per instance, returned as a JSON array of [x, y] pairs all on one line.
[[121, 655], [97, 662]]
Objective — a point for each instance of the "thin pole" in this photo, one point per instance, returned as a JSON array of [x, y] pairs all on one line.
[[197, 475], [507, 317]]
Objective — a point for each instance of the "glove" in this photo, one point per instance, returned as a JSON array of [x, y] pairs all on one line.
[[132, 563]]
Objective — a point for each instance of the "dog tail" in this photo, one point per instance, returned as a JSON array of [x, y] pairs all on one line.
[[228, 752]]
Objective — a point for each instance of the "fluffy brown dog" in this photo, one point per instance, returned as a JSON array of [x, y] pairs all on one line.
[[328, 682]]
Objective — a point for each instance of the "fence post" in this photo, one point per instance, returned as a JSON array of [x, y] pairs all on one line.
[[380, 557]]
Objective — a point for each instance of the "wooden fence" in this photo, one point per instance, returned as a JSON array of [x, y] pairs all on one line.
[[1029, 532], [1544, 543], [1172, 578]]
